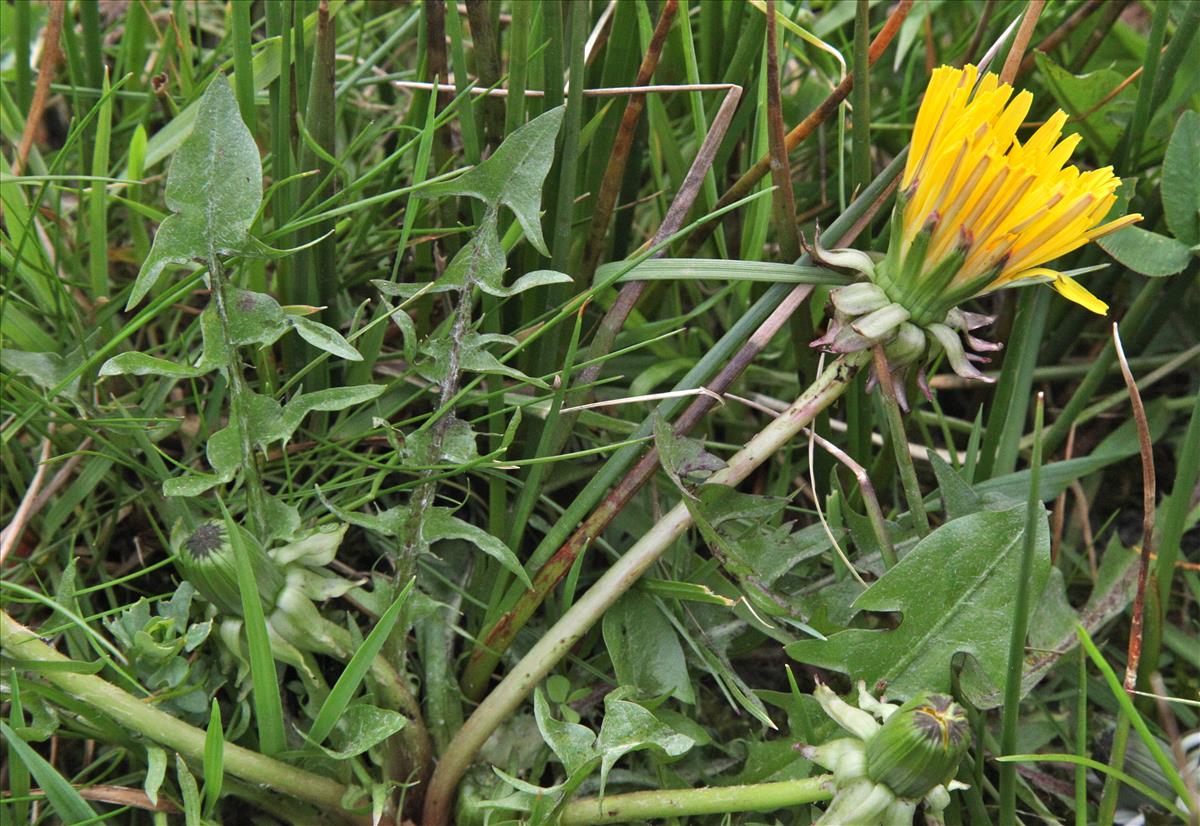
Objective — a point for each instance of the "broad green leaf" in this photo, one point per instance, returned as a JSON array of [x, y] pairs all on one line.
[[362, 727], [572, 743], [741, 529], [390, 522], [156, 772], [254, 318], [440, 523], [513, 175], [957, 496], [1081, 95], [473, 357], [1052, 632], [457, 447], [333, 399], [537, 278], [408, 330], [224, 448], [283, 520], [1146, 252], [954, 591], [1181, 181], [645, 650], [140, 364], [480, 262], [270, 422], [683, 459], [629, 727], [194, 484], [47, 370], [214, 189], [325, 338], [436, 523]]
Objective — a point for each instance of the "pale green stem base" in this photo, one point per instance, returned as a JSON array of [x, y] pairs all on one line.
[[639, 806], [500, 704], [24, 646]]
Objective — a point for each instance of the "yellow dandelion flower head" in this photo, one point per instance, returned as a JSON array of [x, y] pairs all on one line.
[[980, 209]]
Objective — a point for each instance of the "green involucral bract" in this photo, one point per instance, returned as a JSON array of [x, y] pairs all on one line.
[[888, 766], [205, 558]]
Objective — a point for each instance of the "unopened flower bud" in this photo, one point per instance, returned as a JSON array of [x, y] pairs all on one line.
[[205, 557], [919, 747]]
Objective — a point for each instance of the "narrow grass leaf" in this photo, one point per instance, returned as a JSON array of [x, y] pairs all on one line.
[[268, 708], [1087, 762], [214, 759], [1165, 764], [352, 676], [189, 791], [62, 795]]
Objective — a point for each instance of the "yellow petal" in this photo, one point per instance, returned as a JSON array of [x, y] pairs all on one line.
[[1113, 226], [1070, 289]]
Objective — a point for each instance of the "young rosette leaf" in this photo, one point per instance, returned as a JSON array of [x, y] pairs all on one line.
[[513, 175], [214, 189], [436, 523], [954, 592], [480, 262]]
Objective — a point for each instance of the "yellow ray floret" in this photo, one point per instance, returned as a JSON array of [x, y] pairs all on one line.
[[994, 207]]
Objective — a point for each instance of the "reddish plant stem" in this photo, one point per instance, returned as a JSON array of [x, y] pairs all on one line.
[[41, 90], [1146, 448], [1053, 40], [783, 199], [1100, 30], [805, 128], [1021, 42], [610, 184]]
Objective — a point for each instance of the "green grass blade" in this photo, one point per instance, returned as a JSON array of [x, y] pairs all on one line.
[[214, 759], [268, 708], [352, 676], [1169, 770], [1020, 629], [62, 795]]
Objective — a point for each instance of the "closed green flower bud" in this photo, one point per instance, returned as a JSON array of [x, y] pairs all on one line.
[[204, 557], [919, 747]]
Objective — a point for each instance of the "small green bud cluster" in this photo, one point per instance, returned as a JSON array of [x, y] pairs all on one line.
[[890, 764], [912, 328], [290, 577]]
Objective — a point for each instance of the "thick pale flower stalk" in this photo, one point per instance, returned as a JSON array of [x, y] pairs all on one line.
[[506, 697], [142, 717]]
